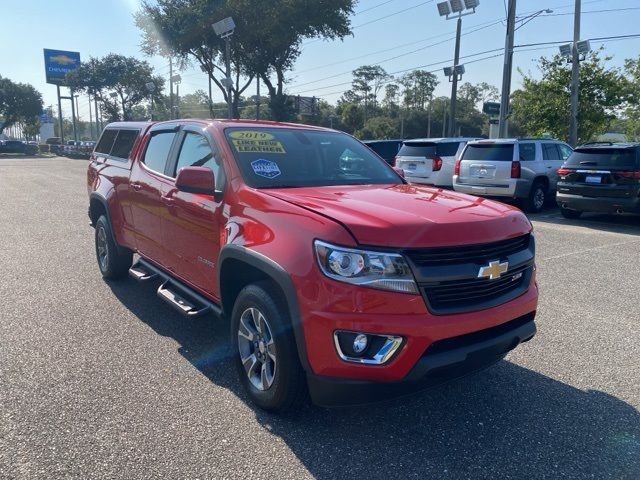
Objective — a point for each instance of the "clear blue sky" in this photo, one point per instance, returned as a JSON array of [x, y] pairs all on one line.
[[401, 34]]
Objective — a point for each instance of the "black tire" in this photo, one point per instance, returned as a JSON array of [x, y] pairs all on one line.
[[537, 198], [288, 387], [114, 263], [570, 214]]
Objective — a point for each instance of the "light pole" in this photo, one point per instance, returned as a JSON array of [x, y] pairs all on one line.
[[445, 9], [151, 88], [176, 79], [224, 29], [508, 64]]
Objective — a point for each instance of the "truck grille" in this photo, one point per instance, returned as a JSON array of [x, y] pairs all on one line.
[[471, 294], [468, 253]]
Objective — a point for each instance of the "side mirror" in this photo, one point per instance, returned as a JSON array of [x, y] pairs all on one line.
[[399, 171], [196, 180]]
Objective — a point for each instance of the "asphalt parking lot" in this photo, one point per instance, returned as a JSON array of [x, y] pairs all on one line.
[[103, 380]]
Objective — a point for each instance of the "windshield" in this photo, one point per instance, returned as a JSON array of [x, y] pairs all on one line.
[[489, 151], [428, 149], [279, 157]]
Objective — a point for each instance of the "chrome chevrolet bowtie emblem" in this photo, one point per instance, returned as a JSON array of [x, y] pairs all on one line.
[[493, 270]]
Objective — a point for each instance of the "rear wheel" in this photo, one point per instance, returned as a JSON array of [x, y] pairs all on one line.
[[113, 264], [571, 214], [537, 197], [267, 358]]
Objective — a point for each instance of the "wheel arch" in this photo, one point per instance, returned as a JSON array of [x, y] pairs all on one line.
[[98, 206], [239, 266]]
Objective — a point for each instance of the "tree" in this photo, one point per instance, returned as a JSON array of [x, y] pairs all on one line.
[[418, 88], [127, 77], [367, 83], [352, 116], [266, 42], [19, 102], [379, 128], [543, 106], [631, 118]]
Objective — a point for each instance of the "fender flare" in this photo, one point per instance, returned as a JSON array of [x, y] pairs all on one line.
[[94, 196], [279, 275]]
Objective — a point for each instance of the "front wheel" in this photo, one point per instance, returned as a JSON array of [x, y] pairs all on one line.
[[267, 358]]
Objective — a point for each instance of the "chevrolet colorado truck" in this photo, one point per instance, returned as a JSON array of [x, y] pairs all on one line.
[[336, 276]]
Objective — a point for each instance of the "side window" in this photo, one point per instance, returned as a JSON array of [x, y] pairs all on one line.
[[550, 151], [106, 141], [196, 152], [124, 143], [527, 152], [157, 152], [565, 151]]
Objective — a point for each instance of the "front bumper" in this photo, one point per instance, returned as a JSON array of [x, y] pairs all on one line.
[[443, 361], [598, 204]]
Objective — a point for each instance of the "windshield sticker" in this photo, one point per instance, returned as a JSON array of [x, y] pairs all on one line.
[[265, 168], [251, 135], [258, 146], [255, 142]]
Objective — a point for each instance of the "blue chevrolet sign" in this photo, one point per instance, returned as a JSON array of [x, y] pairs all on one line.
[[58, 62]]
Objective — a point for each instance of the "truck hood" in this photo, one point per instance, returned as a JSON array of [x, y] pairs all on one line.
[[403, 216]]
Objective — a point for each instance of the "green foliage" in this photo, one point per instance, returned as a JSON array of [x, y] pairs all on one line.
[[379, 128], [19, 103], [127, 77], [266, 41], [543, 106], [630, 123], [418, 88]]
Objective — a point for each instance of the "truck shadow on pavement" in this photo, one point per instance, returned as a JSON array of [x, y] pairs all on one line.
[[626, 224], [505, 422]]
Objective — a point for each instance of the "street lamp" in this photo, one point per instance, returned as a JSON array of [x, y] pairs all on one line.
[[224, 29], [457, 9]]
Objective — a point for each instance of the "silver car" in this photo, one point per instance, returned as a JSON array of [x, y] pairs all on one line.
[[522, 169], [430, 160]]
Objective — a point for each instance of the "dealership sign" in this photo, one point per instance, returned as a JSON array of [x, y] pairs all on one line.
[[58, 63]]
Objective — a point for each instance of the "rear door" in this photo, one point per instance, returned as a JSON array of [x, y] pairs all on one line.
[[552, 160], [612, 172], [486, 163]]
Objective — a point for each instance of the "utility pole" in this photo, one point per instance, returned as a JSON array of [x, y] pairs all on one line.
[[575, 78], [507, 68], [210, 99], [227, 61], [429, 120], [95, 106], [257, 97], [73, 116], [454, 83], [90, 118], [171, 88]]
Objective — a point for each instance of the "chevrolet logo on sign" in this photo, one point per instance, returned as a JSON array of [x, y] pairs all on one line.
[[494, 270]]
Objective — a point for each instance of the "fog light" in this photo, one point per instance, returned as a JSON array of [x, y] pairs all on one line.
[[360, 343]]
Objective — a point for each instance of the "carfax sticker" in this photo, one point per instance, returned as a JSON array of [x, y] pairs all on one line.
[[255, 142], [265, 168]]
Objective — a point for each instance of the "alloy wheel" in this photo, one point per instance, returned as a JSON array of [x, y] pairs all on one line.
[[257, 348]]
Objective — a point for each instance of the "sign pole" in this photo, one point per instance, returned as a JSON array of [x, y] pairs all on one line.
[[60, 124], [73, 116]]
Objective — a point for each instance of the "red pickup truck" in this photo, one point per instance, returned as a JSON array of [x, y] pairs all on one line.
[[335, 275]]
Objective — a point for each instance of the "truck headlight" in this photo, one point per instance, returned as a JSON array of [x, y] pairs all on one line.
[[386, 271]]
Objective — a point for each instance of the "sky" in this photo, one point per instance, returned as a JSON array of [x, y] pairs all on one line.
[[398, 35]]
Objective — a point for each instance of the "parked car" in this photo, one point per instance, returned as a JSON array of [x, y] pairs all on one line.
[[387, 149], [430, 160], [600, 177], [521, 169], [17, 146], [55, 145], [348, 280]]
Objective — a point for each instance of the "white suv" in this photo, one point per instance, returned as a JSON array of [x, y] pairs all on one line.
[[430, 160], [523, 169]]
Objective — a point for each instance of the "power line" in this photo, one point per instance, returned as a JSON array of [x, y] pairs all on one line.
[[374, 7]]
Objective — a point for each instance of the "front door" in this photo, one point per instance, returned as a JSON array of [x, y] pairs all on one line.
[[191, 229], [148, 187]]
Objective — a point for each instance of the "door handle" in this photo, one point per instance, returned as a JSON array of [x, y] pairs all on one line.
[[136, 186], [168, 197]]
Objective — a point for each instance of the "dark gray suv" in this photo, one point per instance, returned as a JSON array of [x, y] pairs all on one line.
[[600, 177]]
